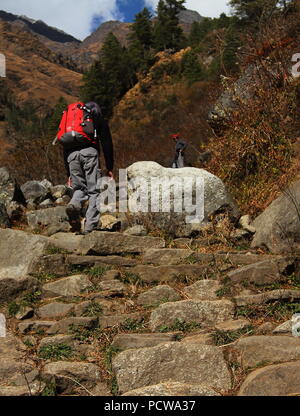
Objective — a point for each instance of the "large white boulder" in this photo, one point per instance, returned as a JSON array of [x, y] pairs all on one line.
[[197, 184]]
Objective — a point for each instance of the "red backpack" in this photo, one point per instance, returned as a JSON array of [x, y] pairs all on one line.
[[77, 127]]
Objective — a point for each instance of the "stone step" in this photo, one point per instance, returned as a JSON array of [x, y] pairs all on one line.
[[127, 341], [106, 243], [164, 274], [175, 361], [255, 350], [265, 297], [92, 261], [173, 388], [205, 313], [68, 286], [263, 272], [273, 380], [165, 256]]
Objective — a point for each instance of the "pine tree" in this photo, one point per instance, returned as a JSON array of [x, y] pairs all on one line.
[[167, 32], [252, 10], [232, 42], [192, 70], [141, 41], [110, 77]]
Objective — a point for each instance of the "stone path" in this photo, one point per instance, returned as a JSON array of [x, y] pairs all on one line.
[[113, 314]]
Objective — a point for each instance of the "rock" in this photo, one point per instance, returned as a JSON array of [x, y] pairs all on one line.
[[68, 286], [204, 338], [157, 295], [265, 297], [166, 256], [51, 264], [203, 290], [110, 223], [273, 380], [242, 90], [105, 243], [258, 350], [58, 191], [46, 184], [4, 218], [261, 273], [11, 354], [35, 326], [173, 388], [18, 253], [69, 325], [57, 340], [35, 191], [63, 201], [30, 205], [100, 390], [285, 328], [265, 328], [205, 313], [113, 287], [245, 223], [25, 313], [9, 189], [34, 389], [215, 194], [15, 211], [233, 325], [111, 275], [55, 309], [277, 228], [184, 363], [50, 221], [69, 376], [129, 341], [136, 230], [129, 319], [48, 203], [66, 241], [174, 273], [90, 261]]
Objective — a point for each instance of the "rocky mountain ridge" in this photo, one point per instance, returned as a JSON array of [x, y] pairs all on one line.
[[83, 52]]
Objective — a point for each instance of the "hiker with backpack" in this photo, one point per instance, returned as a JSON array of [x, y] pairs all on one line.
[[81, 130], [180, 146]]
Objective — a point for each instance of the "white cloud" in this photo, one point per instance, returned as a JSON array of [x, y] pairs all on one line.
[[75, 16], [72, 16], [207, 8]]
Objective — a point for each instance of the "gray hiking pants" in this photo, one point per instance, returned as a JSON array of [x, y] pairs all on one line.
[[85, 173]]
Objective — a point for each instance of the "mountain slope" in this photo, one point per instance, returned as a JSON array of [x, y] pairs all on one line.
[[34, 73]]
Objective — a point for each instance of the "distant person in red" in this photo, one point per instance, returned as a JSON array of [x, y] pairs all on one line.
[[180, 146]]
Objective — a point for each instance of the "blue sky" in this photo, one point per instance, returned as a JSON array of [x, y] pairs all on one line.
[[80, 17]]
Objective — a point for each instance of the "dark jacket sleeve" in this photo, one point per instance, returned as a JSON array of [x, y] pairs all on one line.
[[107, 144], [105, 138], [104, 134]]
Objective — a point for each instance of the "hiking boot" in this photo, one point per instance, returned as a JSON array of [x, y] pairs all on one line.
[[73, 212]]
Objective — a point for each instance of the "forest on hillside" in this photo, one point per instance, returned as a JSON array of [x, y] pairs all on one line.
[[165, 82]]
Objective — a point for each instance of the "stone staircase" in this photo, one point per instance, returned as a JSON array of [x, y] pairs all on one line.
[[113, 314]]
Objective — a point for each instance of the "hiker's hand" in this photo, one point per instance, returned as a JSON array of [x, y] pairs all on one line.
[[69, 182], [110, 174]]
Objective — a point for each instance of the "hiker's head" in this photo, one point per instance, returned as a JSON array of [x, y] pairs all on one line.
[[175, 137]]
